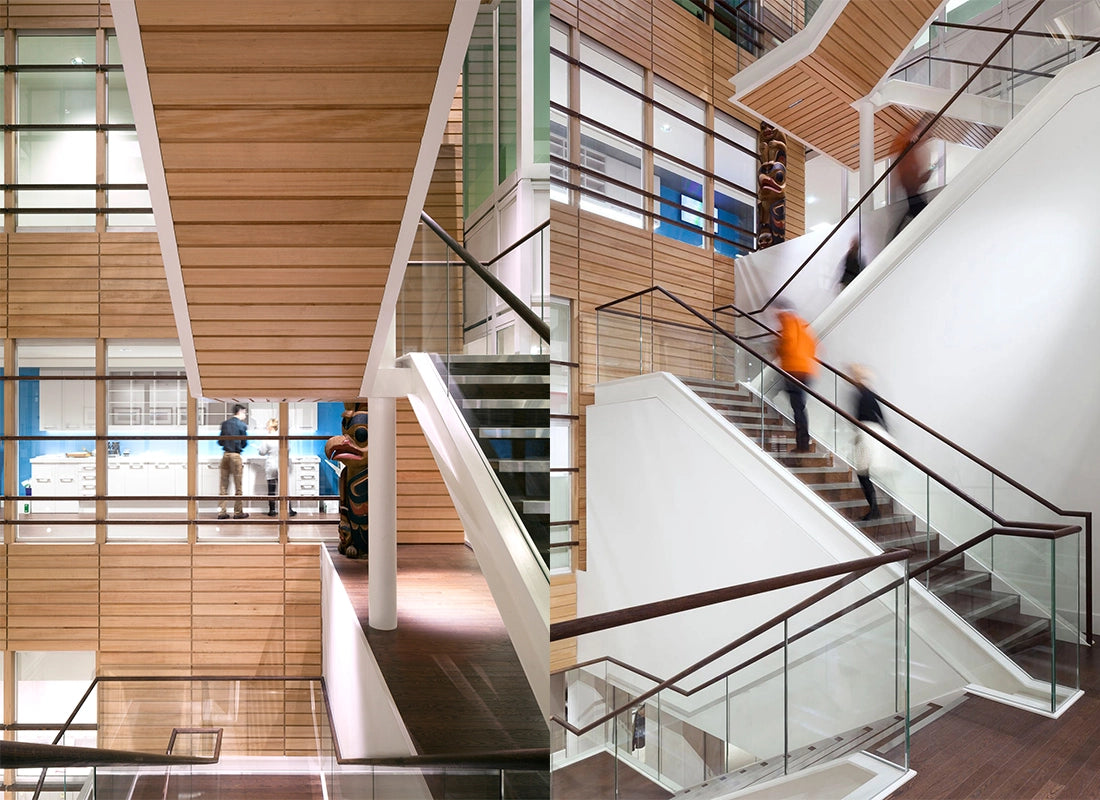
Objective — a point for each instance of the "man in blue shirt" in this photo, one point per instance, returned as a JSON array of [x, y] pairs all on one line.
[[231, 464]]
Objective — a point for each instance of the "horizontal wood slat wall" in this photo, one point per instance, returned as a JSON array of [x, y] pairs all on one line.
[[425, 512], [563, 606], [168, 609]]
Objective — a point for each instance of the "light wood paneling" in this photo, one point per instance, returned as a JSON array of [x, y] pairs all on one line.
[[52, 597], [812, 99], [290, 129], [425, 511], [563, 606]]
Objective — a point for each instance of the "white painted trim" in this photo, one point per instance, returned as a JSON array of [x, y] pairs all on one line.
[[141, 101], [1015, 702], [365, 718], [791, 52], [450, 67]]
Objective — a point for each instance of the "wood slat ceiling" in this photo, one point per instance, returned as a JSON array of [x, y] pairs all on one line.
[[289, 132], [812, 99]]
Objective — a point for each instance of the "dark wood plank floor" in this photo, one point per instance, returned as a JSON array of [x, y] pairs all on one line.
[[983, 749], [449, 664], [595, 778]]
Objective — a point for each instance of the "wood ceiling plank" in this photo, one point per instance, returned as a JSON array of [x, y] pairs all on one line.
[[289, 234], [289, 295], [293, 51], [410, 89], [373, 210], [234, 326], [350, 155], [316, 14], [270, 184], [350, 257], [317, 344], [292, 125]]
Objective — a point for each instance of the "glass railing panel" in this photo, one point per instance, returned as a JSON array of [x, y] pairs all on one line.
[[690, 732], [1067, 578], [620, 341], [754, 716], [853, 642], [587, 698]]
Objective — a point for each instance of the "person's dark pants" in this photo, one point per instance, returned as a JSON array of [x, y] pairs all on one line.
[[797, 395], [272, 490], [917, 204], [869, 493]]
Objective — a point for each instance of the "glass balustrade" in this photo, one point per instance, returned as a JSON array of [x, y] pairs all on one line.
[[270, 738], [494, 363], [758, 712], [1025, 595]]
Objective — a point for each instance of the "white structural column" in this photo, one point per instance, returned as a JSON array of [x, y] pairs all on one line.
[[382, 495], [382, 512], [866, 145]]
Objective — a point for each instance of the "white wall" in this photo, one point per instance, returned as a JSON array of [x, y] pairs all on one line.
[[680, 502], [979, 319]]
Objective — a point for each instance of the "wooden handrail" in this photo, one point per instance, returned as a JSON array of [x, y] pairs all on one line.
[[1049, 535], [34, 755], [1087, 515], [567, 629], [782, 616]]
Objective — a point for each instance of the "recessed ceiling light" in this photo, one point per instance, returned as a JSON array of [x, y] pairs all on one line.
[[76, 60], [810, 199], [796, 102], [666, 128]]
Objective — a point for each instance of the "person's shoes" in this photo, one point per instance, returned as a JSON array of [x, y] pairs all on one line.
[[223, 515], [272, 513], [242, 515], [870, 515], [293, 513], [797, 449]]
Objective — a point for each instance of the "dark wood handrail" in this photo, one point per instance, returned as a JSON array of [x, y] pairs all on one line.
[[34, 755], [524, 311], [835, 586], [928, 126], [567, 629], [982, 463], [1049, 535], [1087, 515]]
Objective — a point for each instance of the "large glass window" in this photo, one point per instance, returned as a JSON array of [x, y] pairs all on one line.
[[146, 399], [735, 168], [56, 409], [678, 139], [611, 164], [561, 435], [63, 97], [57, 162], [559, 122]]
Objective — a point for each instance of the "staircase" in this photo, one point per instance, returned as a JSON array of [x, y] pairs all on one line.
[[878, 738], [967, 590], [506, 402]]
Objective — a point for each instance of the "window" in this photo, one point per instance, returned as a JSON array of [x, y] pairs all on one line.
[[735, 165], [613, 122], [56, 159], [559, 123], [679, 138]]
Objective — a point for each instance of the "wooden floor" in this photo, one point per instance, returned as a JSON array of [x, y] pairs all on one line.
[[595, 778], [983, 749], [449, 664]]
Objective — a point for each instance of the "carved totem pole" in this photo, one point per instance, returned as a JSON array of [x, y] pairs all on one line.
[[350, 449], [771, 187]]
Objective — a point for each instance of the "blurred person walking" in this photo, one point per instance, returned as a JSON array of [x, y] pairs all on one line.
[[796, 351], [870, 453], [913, 170]]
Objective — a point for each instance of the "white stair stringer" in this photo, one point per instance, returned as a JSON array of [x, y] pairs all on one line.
[[516, 575]]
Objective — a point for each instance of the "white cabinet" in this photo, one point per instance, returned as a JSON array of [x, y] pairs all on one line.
[[60, 476], [66, 405]]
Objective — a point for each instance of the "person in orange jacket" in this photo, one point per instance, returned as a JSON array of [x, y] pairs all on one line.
[[796, 351]]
